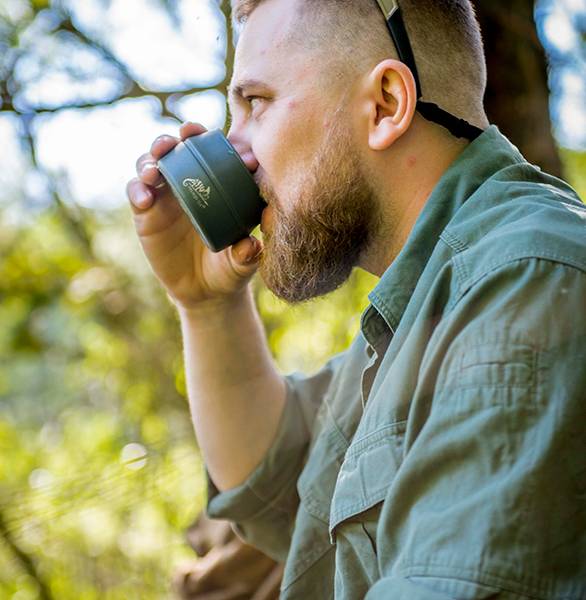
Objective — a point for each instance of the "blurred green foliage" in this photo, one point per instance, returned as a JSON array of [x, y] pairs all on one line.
[[99, 472], [89, 363]]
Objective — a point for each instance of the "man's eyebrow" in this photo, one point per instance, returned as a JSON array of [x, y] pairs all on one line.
[[237, 90]]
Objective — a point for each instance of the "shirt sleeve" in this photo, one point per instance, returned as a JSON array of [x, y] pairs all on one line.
[[263, 508], [490, 501]]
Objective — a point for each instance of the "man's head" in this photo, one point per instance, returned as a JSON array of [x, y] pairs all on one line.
[[321, 107], [349, 36]]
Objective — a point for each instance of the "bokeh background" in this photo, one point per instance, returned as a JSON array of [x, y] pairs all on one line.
[[100, 474]]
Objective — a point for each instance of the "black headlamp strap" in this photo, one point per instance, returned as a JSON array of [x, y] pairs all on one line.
[[457, 127], [428, 110], [396, 26]]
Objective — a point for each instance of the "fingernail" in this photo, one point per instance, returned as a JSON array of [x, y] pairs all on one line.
[[148, 166], [162, 138], [143, 199], [255, 256]]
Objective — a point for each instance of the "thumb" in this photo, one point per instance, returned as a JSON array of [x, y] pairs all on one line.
[[245, 255]]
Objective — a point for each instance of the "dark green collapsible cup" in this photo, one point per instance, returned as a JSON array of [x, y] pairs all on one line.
[[214, 188]]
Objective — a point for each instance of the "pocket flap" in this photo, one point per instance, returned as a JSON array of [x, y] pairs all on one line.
[[368, 470]]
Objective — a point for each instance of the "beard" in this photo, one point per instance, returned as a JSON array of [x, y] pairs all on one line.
[[313, 246]]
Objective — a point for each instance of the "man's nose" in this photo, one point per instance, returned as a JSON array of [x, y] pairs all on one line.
[[244, 150]]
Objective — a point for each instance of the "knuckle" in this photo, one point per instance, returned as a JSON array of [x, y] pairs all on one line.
[[191, 127], [131, 187], [141, 160], [162, 145], [163, 138]]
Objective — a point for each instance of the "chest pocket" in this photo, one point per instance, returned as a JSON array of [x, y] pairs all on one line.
[[369, 468]]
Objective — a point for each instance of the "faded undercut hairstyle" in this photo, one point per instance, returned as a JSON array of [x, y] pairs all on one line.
[[353, 37]]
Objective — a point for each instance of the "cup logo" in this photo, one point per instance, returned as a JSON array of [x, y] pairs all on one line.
[[199, 192]]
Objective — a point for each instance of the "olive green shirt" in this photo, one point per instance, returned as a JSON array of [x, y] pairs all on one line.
[[443, 456]]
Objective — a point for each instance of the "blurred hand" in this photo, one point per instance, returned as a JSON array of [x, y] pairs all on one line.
[[191, 273]]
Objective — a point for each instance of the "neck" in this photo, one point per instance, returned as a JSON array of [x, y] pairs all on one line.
[[405, 176]]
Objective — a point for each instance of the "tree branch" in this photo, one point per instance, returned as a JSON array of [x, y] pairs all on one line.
[[74, 223], [135, 91], [25, 561], [132, 88]]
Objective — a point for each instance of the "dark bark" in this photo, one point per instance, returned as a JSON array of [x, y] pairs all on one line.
[[517, 98], [26, 562]]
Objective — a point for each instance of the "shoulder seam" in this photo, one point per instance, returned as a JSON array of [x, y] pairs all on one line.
[[467, 283]]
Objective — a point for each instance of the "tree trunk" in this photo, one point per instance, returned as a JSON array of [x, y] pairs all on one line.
[[517, 97]]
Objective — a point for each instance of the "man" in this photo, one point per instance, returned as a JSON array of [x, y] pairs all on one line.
[[442, 455]]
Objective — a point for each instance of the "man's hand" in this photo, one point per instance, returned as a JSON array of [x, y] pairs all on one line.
[[191, 273], [231, 376]]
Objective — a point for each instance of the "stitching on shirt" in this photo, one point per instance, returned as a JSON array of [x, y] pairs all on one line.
[[301, 567], [458, 246], [315, 506], [509, 259], [448, 381], [366, 317], [376, 438], [534, 370], [493, 386], [267, 504], [494, 342], [392, 321], [315, 509], [536, 591], [343, 443], [454, 242], [351, 510], [334, 437], [461, 269]]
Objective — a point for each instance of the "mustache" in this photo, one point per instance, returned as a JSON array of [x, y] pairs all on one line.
[[267, 193]]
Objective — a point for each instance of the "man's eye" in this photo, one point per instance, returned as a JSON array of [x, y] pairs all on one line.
[[253, 101]]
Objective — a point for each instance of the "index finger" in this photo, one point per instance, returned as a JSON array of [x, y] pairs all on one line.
[[162, 145], [188, 129]]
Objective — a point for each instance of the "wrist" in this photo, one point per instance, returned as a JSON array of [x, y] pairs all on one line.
[[212, 310]]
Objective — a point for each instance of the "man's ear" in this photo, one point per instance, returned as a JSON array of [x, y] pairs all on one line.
[[391, 98]]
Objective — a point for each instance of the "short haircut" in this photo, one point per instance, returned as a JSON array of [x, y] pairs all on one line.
[[444, 34]]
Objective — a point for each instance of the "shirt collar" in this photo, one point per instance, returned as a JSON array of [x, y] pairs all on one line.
[[486, 155]]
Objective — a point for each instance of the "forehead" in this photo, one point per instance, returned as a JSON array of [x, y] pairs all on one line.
[[266, 50]]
